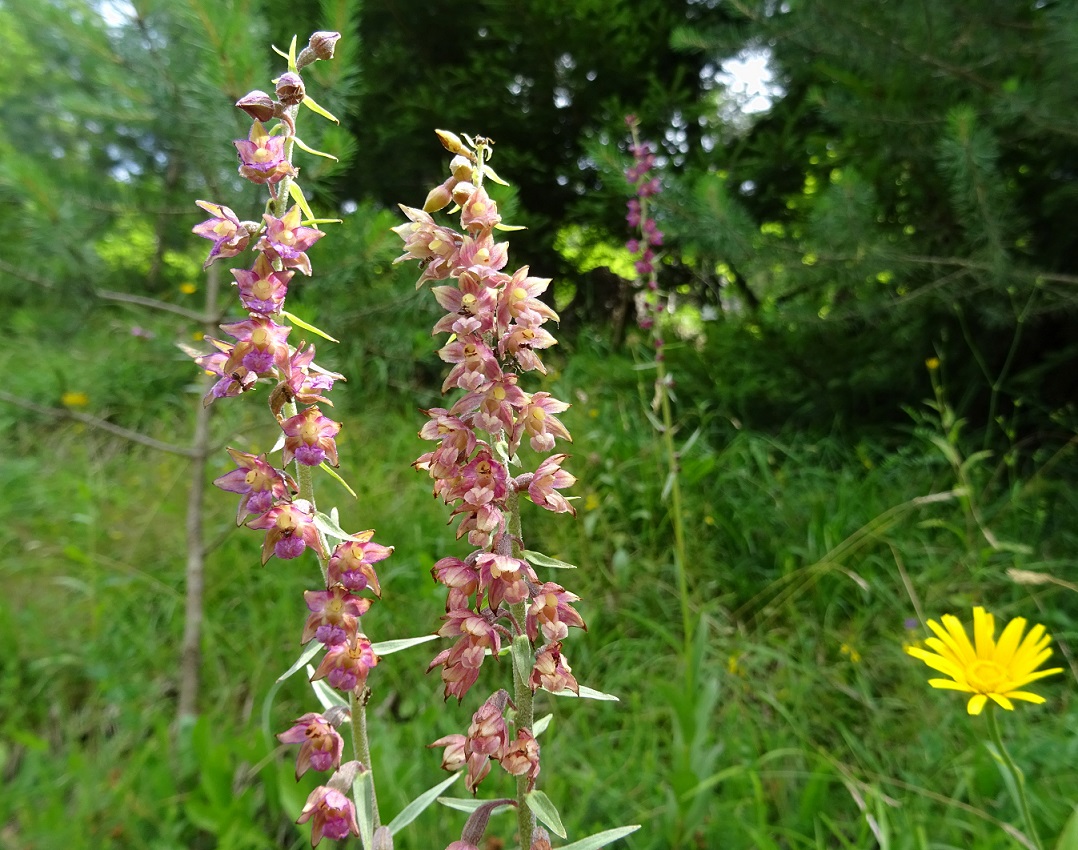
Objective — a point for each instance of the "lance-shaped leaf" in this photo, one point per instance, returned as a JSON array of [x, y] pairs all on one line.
[[468, 804], [302, 146], [328, 526], [388, 647], [324, 693], [601, 839], [523, 659], [541, 560], [410, 812], [314, 107], [493, 175], [295, 320], [361, 791], [540, 725], [545, 811], [588, 693], [295, 191], [332, 473]]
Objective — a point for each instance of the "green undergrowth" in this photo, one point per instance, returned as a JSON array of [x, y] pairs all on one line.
[[795, 722]]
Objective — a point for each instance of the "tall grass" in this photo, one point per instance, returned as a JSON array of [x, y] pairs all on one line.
[[807, 727]]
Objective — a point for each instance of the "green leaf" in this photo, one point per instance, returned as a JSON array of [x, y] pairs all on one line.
[[541, 560], [588, 693], [296, 193], [467, 804], [523, 659], [361, 791], [388, 647], [329, 527], [1068, 838], [332, 473], [493, 175], [601, 839], [302, 146], [410, 812], [324, 693], [309, 652], [545, 811], [297, 321], [540, 725], [314, 107], [292, 61]]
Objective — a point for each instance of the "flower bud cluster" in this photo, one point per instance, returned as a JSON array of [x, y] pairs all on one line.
[[488, 740], [647, 238], [259, 352], [495, 318]]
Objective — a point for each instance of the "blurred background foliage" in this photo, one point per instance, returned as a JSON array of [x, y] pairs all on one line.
[[852, 189]]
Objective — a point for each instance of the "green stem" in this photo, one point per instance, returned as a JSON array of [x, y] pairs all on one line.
[[305, 478], [522, 692], [361, 747], [1019, 783], [673, 462], [677, 517]]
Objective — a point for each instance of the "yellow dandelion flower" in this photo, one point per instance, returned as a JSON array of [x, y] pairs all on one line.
[[932, 364], [986, 668], [74, 399], [188, 288]]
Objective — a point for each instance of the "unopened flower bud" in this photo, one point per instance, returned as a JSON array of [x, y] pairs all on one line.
[[323, 43], [440, 196], [462, 192], [461, 167], [290, 89], [258, 105], [451, 142]]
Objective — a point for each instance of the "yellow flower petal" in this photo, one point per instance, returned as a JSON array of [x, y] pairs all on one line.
[[987, 668], [1002, 701]]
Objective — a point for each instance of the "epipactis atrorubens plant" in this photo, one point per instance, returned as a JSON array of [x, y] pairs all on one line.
[[272, 500], [495, 600]]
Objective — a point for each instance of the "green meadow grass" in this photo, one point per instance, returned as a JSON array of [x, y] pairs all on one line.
[[796, 721]]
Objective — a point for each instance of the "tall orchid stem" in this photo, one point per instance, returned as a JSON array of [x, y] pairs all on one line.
[[677, 518], [522, 692], [1019, 781], [673, 461], [305, 478], [361, 746]]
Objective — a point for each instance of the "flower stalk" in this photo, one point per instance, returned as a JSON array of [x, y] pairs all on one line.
[[1018, 783], [651, 305], [496, 320], [282, 506]]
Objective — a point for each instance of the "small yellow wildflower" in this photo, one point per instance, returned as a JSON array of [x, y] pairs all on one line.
[[854, 655], [985, 668], [733, 665], [74, 399], [932, 364], [188, 288], [198, 336], [592, 502]]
